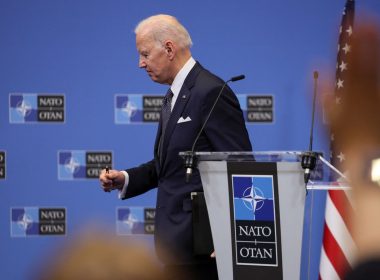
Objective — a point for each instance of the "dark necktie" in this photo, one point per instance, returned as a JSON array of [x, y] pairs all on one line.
[[165, 115], [166, 110]]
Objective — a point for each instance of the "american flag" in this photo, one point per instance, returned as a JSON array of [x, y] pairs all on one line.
[[337, 249]]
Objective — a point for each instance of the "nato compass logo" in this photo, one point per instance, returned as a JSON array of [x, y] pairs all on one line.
[[34, 108], [135, 220], [254, 217], [137, 108], [78, 164], [34, 221], [2, 164]]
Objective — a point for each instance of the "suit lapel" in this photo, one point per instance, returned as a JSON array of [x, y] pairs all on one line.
[[179, 106], [182, 99], [156, 147], [158, 135]]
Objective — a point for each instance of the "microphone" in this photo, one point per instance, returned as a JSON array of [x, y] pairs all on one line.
[[189, 155], [236, 78], [309, 158]]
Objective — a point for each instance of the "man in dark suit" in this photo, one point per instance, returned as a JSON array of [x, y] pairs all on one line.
[[164, 48]]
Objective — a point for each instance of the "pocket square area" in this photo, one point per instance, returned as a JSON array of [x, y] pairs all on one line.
[[182, 120]]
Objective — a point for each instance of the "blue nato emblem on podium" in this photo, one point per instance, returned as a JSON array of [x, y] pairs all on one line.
[[255, 221], [253, 198]]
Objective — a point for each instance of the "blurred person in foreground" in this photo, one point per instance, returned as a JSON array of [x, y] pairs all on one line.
[[163, 45], [356, 123], [101, 256]]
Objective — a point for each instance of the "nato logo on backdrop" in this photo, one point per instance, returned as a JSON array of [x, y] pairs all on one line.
[[135, 220], [80, 164], [36, 108], [255, 222], [137, 108], [2, 164], [35, 221], [257, 108]]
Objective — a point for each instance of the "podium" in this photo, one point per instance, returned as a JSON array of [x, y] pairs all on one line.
[[255, 203]]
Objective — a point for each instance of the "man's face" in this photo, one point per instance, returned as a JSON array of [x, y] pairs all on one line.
[[153, 58]]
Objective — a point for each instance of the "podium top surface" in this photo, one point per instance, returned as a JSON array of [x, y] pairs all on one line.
[[318, 174], [262, 156]]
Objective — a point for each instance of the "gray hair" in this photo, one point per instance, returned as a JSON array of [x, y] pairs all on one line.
[[164, 27]]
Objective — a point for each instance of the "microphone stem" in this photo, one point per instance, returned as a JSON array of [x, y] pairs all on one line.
[[189, 157], [313, 112], [208, 116]]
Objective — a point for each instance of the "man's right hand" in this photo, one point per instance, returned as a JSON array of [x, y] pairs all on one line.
[[111, 180]]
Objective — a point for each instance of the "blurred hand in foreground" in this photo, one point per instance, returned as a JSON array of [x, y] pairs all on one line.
[[356, 125]]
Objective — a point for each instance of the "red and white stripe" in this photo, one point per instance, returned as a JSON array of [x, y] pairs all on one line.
[[338, 246]]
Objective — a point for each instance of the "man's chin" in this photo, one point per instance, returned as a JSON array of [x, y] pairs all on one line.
[[155, 79]]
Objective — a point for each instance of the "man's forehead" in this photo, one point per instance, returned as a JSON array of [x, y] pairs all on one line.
[[146, 42], [145, 38], [144, 48], [146, 32]]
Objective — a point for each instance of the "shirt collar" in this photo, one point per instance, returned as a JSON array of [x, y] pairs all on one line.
[[181, 76]]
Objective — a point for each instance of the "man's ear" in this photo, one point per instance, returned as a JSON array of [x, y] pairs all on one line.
[[169, 49]]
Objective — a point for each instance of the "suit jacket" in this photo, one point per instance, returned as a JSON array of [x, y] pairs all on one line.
[[225, 131]]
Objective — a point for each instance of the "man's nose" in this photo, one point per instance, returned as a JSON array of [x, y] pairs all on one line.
[[142, 63]]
